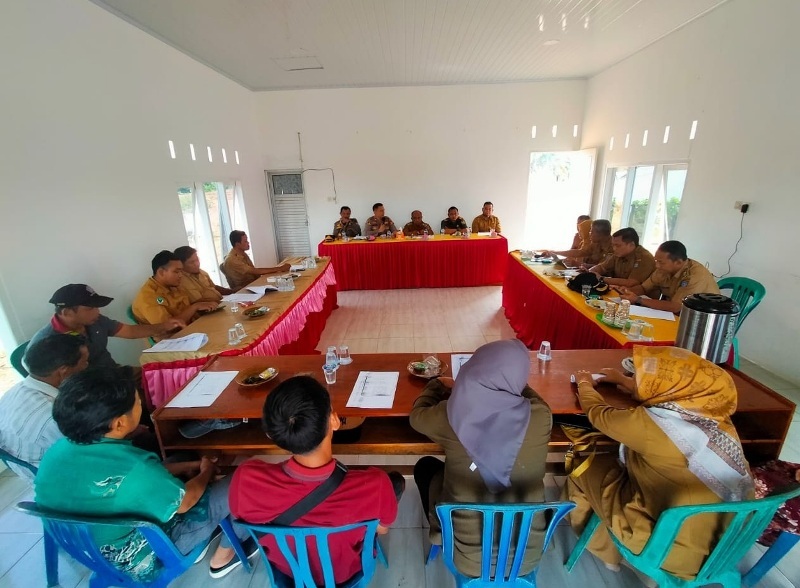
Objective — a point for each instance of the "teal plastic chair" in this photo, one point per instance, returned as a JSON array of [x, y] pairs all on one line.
[[750, 518], [15, 359], [74, 534], [293, 543], [783, 544], [132, 318], [748, 294], [502, 524]]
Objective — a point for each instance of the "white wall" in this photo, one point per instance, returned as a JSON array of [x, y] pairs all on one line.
[[424, 148], [734, 71], [88, 188]]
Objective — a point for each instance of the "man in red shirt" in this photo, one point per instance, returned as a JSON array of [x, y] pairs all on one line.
[[298, 417]]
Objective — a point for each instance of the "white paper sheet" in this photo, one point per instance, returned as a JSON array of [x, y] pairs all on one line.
[[261, 290], [484, 233], [457, 360], [374, 390], [191, 342], [242, 297], [652, 313], [595, 377], [202, 390]]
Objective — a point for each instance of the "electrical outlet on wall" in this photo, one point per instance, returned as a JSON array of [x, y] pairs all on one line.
[[741, 206]]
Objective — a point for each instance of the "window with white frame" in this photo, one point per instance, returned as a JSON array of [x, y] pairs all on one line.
[[211, 210], [646, 197]]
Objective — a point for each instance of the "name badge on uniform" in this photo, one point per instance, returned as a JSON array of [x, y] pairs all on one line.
[[160, 300]]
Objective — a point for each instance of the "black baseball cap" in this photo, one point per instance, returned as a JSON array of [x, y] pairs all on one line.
[[79, 295]]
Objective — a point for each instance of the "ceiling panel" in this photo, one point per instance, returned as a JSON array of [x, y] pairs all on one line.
[[407, 42]]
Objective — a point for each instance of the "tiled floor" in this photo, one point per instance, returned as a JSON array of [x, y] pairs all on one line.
[[396, 321]]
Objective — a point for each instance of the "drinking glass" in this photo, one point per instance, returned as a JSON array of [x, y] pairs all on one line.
[[344, 355], [330, 374], [586, 290], [234, 306], [647, 332], [544, 351], [635, 330], [240, 332], [233, 336]]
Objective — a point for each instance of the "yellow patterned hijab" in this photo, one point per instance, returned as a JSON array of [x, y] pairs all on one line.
[[692, 400]]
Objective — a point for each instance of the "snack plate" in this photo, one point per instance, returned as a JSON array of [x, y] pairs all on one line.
[[427, 374], [245, 374]]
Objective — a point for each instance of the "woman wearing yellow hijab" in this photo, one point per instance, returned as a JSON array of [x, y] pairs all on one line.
[[678, 447]]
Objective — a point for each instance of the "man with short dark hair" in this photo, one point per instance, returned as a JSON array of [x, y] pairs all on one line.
[[298, 417], [238, 267], [27, 428], [631, 263], [196, 282], [417, 226], [346, 225], [595, 248], [485, 222], [675, 278], [453, 223], [379, 223], [161, 296], [96, 471], [77, 312]]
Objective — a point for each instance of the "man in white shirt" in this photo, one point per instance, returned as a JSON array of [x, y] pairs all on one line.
[[27, 428]]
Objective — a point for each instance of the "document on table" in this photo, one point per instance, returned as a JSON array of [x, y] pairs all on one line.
[[261, 290], [191, 342], [242, 297], [202, 390], [374, 390], [457, 360]]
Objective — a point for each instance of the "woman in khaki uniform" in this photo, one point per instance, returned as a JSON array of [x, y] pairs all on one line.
[[679, 447], [494, 430]]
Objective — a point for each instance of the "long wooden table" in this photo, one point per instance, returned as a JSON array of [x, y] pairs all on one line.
[[541, 308], [762, 419], [293, 325], [441, 261]]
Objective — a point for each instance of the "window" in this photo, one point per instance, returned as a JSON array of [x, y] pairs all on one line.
[[211, 210], [647, 198]]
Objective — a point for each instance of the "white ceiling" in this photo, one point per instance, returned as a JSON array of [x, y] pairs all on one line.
[[407, 42]]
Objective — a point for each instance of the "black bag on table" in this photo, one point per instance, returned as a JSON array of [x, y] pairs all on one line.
[[599, 287]]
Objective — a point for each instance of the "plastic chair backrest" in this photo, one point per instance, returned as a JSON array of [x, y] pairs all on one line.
[[515, 522], [8, 459], [15, 359], [131, 316], [746, 292], [297, 555], [750, 518], [222, 271], [73, 533]]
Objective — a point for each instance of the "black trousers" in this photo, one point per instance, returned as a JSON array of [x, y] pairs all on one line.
[[424, 471]]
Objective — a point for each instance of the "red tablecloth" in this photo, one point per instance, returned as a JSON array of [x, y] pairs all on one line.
[[540, 311], [439, 262]]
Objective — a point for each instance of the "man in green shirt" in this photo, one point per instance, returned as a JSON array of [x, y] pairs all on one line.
[[95, 471]]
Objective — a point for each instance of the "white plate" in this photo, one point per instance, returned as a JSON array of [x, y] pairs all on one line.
[[627, 365], [596, 303]]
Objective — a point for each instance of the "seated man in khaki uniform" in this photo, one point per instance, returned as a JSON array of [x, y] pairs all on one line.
[[196, 282], [379, 223], [161, 297], [417, 226], [238, 267], [594, 249], [675, 278], [631, 263], [486, 222]]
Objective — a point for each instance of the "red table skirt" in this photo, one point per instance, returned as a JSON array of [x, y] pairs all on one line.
[[439, 263]]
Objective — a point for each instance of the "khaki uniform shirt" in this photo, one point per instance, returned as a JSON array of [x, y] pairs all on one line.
[[238, 269], [596, 253], [200, 287], [692, 279], [156, 303], [351, 229], [373, 222], [410, 229], [481, 224], [637, 265]]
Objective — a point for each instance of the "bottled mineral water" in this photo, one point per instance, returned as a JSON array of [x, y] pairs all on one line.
[[331, 359]]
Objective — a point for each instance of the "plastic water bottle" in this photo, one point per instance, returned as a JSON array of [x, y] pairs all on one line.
[[424, 233], [331, 359]]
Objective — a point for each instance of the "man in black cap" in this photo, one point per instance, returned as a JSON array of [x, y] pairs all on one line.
[[77, 312]]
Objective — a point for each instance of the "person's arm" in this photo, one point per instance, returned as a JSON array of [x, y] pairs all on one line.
[[445, 229], [353, 229], [197, 485], [187, 314], [422, 417], [372, 229], [498, 227], [645, 266], [408, 230], [143, 331], [278, 269], [183, 468], [223, 291], [623, 425], [624, 282]]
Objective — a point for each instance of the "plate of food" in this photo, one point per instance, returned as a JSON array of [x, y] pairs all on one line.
[[256, 312], [426, 370], [253, 378], [596, 303], [627, 365], [217, 309]]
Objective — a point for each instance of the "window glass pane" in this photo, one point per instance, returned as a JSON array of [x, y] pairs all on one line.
[[230, 196], [619, 179], [640, 197], [287, 184], [187, 210], [213, 203], [674, 181]]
